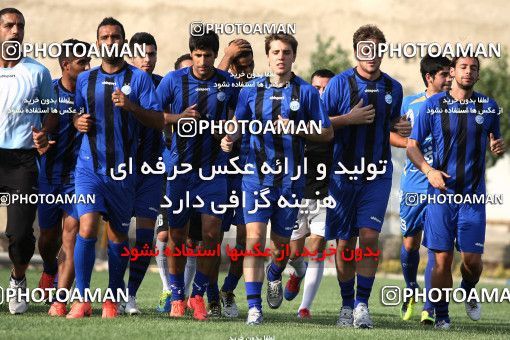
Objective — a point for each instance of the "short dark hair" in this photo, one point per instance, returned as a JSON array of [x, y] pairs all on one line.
[[367, 32], [286, 38], [109, 21], [322, 73], [432, 65], [10, 10], [243, 54], [208, 41], [179, 60], [81, 48], [455, 59], [141, 38]]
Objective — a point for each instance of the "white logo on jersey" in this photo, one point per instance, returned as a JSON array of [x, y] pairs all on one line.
[[108, 83], [220, 96], [388, 98], [126, 89], [294, 105], [479, 119]]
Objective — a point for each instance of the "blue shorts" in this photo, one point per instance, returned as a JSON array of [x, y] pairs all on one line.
[[412, 213], [211, 192], [234, 216], [50, 215], [357, 206], [113, 199], [148, 196], [282, 219], [449, 224]]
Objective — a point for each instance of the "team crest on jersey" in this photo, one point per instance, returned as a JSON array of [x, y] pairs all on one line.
[[126, 89], [294, 105], [479, 119], [388, 98], [220, 96]]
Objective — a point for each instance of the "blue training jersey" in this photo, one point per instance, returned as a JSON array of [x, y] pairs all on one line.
[[58, 163], [413, 180], [259, 101], [460, 131], [150, 145], [114, 136], [371, 141], [180, 89]]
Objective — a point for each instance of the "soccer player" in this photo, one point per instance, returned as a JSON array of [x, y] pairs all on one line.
[[238, 60], [148, 186], [278, 99], [193, 93], [165, 298], [56, 177], [310, 223], [25, 85], [435, 72], [110, 126], [461, 122], [363, 104]]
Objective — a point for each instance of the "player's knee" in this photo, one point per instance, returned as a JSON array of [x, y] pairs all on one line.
[[177, 236], [21, 249], [163, 236], [473, 263], [368, 237]]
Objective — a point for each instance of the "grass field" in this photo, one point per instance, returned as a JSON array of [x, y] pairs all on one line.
[[279, 324]]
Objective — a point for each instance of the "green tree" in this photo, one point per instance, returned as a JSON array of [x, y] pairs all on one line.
[[495, 82], [330, 57]]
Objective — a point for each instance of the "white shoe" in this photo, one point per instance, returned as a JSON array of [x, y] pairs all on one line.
[[228, 302], [15, 306], [131, 307], [473, 310], [361, 316], [345, 318], [254, 316], [274, 294], [443, 324]]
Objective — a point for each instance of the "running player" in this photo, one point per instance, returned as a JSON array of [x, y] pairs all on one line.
[[363, 104], [56, 177], [310, 220], [461, 122], [110, 126], [281, 98], [435, 72], [148, 187], [193, 93], [25, 86]]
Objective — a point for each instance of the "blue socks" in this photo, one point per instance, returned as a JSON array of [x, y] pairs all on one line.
[[274, 273], [200, 284], [347, 293], [138, 268], [410, 261], [253, 294], [177, 286], [117, 265], [363, 289], [50, 268], [213, 293], [84, 258], [230, 283], [428, 278]]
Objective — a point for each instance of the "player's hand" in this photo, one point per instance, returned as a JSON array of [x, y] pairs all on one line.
[[40, 139], [360, 114], [227, 143], [190, 112], [437, 179], [403, 127], [237, 47], [119, 99], [280, 124], [83, 123], [497, 145]]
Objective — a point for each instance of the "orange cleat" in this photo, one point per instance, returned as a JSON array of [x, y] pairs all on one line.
[[79, 310], [57, 309], [109, 309], [46, 281], [197, 304], [178, 309]]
